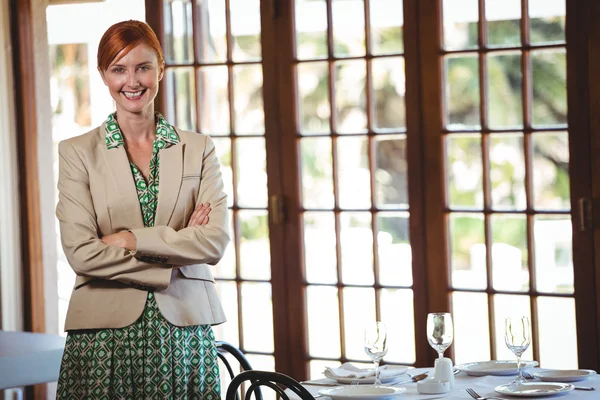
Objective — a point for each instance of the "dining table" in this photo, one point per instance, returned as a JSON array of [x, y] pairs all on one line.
[[28, 358], [483, 385]]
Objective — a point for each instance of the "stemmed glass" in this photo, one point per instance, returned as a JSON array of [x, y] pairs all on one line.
[[376, 344], [518, 339], [440, 331]]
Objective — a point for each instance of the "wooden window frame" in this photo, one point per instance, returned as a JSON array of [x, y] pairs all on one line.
[[423, 37]]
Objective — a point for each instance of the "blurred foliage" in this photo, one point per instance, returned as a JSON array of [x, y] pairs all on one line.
[[505, 111], [254, 226]]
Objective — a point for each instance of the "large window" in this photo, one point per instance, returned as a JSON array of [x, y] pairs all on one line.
[[384, 159], [506, 152]]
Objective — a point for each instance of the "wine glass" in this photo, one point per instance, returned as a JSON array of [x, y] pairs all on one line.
[[440, 331], [518, 339], [376, 344]]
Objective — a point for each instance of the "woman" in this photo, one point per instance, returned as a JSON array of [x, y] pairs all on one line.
[[134, 201]]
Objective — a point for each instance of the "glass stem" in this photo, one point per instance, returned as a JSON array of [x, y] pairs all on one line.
[[440, 354], [377, 380], [519, 376]]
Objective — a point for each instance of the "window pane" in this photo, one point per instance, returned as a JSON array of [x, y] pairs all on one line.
[[261, 362], [313, 97], [323, 322], [465, 172], [245, 30], [460, 24], [549, 71], [223, 149], [505, 90], [320, 258], [397, 313], [311, 29], [255, 255], [354, 177], [551, 182], [471, 329], [350, 97], [248, 100], [317, 173], [547, 20], [257, 310], [391, 172], [251, 167], [211, 37], [386, 26], [359, 307], [508, 306], [226, 267], [213, 100], [509, 252], [503, 22], [395, 256], [389, 87], [348, 27], [507, 171], [179, 42], [181, 101], [461, 80], [553, 253], [557, 333], [467, 251], [356, 237]]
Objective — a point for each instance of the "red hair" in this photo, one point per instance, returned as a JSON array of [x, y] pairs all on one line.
[[126, 35]]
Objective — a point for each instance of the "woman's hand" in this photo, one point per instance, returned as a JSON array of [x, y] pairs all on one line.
[[200, 215], [123, 239]]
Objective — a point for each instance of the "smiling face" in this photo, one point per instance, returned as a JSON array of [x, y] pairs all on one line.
[[133, 80]]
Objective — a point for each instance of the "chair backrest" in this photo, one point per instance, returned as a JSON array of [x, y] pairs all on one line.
[[274, 380], [225, 348]]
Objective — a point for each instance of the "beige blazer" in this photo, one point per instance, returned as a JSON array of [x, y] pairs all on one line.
[[97, 197]]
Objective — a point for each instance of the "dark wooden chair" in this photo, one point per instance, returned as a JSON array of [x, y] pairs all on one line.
[[274, 380], [223, 350]]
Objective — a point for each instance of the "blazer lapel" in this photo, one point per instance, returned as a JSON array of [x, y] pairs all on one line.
[[170, 175], [117, 164]]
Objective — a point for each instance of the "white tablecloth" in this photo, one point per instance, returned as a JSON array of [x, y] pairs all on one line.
[[483, 385]]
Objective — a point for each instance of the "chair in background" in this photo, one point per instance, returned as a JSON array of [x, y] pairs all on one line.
[[274, 380], [224, 349]]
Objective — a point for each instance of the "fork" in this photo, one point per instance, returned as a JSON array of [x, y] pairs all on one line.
[[476, 396], [526, 375]]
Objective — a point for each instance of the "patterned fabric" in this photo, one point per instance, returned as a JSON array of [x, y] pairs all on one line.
[[147, 191], [150, 359]]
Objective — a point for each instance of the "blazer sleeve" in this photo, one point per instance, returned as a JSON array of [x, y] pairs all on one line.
[[203, 244], [86, 253]]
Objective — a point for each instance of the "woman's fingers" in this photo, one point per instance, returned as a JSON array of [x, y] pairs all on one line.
[[199, 215]]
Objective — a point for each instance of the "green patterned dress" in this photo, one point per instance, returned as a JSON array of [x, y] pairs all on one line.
[[150, 359]]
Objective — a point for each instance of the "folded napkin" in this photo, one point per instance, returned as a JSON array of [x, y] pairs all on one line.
[[347, 370]]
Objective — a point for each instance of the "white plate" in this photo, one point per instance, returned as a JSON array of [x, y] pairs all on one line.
[[494, 367], [362, 392], [566, 375], [534, 389], [398, 372]]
